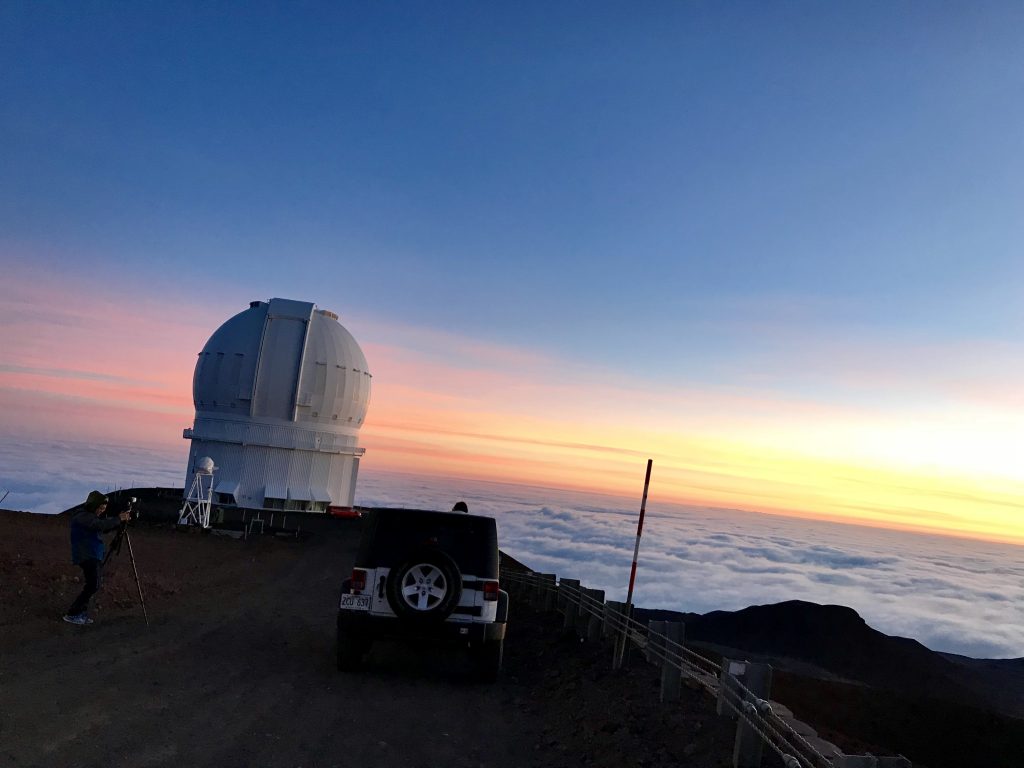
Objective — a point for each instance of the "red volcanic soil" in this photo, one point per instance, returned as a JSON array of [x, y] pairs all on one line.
[[237, 669]]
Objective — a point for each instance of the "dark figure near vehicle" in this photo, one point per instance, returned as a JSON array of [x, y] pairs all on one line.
[[460, 506], [87, 550]]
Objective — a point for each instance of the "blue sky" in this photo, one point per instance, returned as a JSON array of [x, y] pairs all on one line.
[[806, 206], [605, 167]]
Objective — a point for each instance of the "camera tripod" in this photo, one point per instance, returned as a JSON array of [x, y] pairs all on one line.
[[115, 548]]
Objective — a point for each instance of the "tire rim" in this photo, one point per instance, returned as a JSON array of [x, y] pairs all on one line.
[[424, 587]]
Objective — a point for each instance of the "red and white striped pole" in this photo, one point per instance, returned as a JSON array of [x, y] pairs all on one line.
[[624, 641], [639, 530]]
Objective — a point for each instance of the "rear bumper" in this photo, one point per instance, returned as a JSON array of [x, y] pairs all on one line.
[[363, 624]]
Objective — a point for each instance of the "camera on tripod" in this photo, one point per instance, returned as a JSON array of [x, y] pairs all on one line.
[[126, 505], [115, 547]]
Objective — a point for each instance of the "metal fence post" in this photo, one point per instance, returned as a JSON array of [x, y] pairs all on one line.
[[671, 673], [749, 745]]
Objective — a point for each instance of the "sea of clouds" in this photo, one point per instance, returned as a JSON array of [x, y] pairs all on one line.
[[49, 476], [953, 595]]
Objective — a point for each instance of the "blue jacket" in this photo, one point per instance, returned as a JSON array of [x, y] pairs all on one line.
[[86, 543]]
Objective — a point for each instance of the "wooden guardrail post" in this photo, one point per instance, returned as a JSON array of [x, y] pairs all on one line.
[[532, 590], [623, 636], [538, 590], [595, 617], [728, 690], [749, 745], [568, 594], [655, 630], [548, 592], [671, 673], [615, 612], [582, 616], [612, 608]]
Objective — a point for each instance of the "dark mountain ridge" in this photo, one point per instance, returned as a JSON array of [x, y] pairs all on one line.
[[835, 642]]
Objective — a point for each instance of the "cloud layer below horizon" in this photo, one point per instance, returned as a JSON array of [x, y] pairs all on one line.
[[953, 595]]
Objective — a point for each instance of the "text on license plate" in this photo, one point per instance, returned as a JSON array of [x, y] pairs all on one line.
[[355, 602]]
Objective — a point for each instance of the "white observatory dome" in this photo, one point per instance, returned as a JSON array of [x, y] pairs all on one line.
[[280, 390]]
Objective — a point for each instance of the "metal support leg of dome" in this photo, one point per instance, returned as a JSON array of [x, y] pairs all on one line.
[[196, 508]]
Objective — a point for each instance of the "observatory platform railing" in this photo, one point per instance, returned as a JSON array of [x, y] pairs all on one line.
[[740, 688]]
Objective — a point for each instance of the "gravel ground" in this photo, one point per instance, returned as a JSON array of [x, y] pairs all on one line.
[[237, 669]]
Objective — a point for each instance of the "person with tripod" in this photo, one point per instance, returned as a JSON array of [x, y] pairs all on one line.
[[87, 550]]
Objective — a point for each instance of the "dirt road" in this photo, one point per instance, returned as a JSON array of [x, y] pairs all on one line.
[[237, 669]]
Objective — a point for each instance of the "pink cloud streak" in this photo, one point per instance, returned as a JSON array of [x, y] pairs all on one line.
[[122, 368]]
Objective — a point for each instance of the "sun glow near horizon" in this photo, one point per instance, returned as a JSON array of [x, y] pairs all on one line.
[[714, 475], [918, 467], [453, 405]]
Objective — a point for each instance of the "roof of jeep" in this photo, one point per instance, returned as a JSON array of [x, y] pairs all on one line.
[[391, 535]]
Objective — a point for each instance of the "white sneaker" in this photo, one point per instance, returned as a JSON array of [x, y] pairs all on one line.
[[81, 619]]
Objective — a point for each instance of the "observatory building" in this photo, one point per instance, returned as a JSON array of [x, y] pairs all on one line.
[[281, 390]]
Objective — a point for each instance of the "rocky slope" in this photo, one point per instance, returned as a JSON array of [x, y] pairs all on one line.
[[871, 691]]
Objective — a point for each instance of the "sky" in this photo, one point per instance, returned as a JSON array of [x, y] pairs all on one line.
[[776, 248]]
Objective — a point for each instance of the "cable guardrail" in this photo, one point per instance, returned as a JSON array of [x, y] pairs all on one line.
[[715, 678], [641, 637]]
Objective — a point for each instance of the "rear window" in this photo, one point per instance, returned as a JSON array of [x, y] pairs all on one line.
[[391, 535]]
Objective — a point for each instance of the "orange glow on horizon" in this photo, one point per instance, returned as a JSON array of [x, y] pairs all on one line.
[[456, 407], [716, 476]]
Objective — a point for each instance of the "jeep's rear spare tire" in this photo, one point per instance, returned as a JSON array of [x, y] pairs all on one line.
[[424, 587]]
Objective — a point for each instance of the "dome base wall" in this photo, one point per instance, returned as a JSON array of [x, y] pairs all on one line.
[[283, 479]]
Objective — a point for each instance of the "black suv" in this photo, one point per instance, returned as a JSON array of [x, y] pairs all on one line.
[[425, 574]]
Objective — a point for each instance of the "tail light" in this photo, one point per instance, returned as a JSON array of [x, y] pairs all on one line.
[[490, 590], [358, 580]]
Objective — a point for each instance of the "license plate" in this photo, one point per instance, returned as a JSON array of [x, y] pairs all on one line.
[[355, 602]]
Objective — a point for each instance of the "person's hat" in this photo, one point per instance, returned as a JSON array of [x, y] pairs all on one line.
[[460, 506], [95, 501]]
